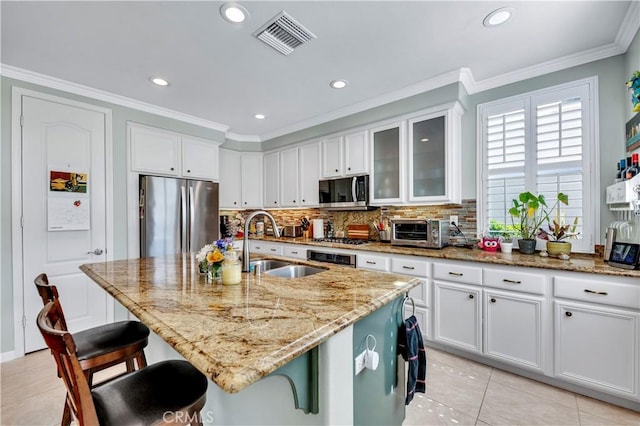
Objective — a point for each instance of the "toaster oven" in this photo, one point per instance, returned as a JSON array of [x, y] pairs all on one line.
[[423, 233]]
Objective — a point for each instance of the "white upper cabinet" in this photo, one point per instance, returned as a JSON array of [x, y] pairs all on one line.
[[240, 180], [200, 159], [346, 155], [331, 157], [309, 173], [162, 152], [289, 180], [417, 160], [272, 180], [251, 180], [356, 153], [154, 150], [434, 160], [388, 153]]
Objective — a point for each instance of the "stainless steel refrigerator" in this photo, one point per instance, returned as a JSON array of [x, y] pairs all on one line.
[[177, 215]]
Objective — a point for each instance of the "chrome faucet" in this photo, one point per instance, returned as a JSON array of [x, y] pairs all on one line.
[[245, 243]]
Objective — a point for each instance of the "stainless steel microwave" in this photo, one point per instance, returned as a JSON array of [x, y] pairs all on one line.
[[350, 193], [423, 233]]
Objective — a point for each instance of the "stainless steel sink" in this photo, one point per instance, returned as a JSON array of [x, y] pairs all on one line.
[[267, 264], [295, 271]]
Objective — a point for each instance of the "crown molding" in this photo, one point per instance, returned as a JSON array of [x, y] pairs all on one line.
[[405, 92], [242, 138], [629, 27], [90, 92]]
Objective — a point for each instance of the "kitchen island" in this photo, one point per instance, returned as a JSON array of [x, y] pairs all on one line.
[[239, 335]]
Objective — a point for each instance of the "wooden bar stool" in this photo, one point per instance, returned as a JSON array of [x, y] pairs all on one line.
[[168, 392], [100, 347]]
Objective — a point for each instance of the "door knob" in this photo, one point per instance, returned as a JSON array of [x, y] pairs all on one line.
[[97, 252]]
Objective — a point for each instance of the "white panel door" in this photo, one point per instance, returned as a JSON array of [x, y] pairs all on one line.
[[62, 228]]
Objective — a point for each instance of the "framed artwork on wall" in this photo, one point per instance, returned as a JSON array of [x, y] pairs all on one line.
[[632, 133]]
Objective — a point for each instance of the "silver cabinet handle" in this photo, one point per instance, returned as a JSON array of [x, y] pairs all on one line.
[[512, 281], [294, 252], [272, 249], [97, 252], [408, 267], [456, 274], [603, 293], [370, 262]]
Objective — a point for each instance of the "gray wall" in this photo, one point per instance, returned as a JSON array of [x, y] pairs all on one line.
[[120, 116]]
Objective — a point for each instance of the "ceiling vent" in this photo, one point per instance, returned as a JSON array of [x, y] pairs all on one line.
[[284, 33]]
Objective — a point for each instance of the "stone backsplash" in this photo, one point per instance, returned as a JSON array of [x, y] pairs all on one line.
[[466, 212]]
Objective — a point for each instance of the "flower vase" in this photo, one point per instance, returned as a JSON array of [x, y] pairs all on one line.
[[557, 247], [214, 274]]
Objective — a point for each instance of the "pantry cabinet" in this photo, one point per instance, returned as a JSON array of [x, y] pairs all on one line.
[[161, 152], [240, 180]]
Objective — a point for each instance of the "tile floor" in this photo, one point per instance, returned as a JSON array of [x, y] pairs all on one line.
[[459, 392]]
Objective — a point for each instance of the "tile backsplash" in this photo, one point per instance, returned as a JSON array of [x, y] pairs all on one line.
[[466, 212]]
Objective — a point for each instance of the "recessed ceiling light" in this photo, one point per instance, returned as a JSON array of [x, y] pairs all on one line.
[[234, 13], [424, 140], [159, 81], [498, 17], [259, 116], [339, 84]]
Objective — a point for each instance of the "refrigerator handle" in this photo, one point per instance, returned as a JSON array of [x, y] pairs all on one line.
[[192, 218], [184, 228]]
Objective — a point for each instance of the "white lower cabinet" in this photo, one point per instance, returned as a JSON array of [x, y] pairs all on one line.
[[457, 315], [373, 262], [265, 247], [597, 347], [420, 294], [513, 328]]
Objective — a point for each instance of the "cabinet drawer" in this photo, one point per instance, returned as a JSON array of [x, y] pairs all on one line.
[[598, 291], [457, 273], [515, 280], [368, 261], [265, 248], [417, 268], [295, 252]]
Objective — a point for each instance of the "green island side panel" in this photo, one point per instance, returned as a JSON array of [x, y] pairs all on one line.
[[302, 374], [378, 395]]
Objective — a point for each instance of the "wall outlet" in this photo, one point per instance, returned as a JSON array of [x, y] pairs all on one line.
[[453, 218], [359, 366]]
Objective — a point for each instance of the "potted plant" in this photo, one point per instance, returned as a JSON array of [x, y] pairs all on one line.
[[530, 211], [558, 231]]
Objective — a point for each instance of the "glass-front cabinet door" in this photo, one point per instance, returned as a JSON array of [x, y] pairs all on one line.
[[434, 157], [388, 150]]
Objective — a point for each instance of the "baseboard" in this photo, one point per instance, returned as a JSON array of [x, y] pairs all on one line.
[[7, 356]]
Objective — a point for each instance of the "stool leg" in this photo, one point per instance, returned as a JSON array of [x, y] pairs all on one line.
[[141, 360], [66, 413], [130, 367]]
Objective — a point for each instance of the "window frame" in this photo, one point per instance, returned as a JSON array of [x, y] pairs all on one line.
[[590, 162]]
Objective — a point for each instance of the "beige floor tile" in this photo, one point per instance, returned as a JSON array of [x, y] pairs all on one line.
[[533, 387], [504, 405], [481, 423], [456, 388], [459, 363], [425, 411], [612, 414]]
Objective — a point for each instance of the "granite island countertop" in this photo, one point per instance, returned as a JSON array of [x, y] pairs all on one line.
[[238, 334], [578, 262]]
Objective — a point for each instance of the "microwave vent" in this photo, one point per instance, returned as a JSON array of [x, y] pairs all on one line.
[[284, 33]]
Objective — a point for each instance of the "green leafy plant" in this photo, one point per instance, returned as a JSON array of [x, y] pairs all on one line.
[[557, 229], [530, 211]]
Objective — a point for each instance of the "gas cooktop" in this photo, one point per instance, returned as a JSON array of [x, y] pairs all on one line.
[[352, 241]]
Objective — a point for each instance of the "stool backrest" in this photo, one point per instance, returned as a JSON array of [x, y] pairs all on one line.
[[63, 348], [48, 293]]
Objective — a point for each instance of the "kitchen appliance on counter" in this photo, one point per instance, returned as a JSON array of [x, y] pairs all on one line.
[[424, 233], [291, 231], [177, 215], [350, 193], [335, 258]]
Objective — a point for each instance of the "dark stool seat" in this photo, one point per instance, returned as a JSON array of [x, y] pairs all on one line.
[[109, 338], [164, 387], [168, 392]]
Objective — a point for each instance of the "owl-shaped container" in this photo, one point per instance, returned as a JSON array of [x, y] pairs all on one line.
[[489, 243]]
